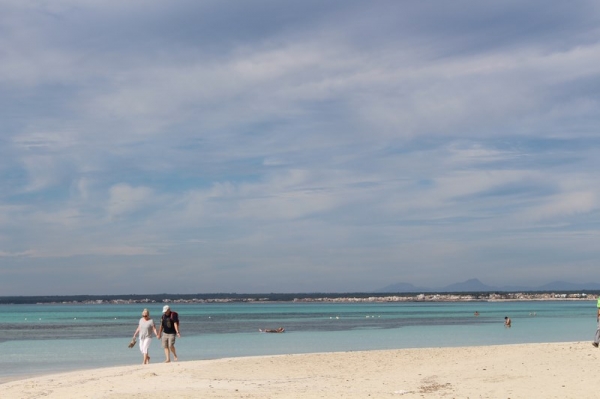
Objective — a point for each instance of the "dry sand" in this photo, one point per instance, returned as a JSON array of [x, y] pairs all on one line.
[[555, 370]]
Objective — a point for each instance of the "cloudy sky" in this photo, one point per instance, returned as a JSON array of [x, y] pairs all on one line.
[[189, 146]]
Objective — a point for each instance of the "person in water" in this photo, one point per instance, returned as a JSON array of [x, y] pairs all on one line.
[[507, 322], [276, 330]]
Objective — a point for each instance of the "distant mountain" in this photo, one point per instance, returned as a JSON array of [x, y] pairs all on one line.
[[474, 285]]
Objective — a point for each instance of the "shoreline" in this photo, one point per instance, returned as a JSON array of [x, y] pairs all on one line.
[[549, 370]]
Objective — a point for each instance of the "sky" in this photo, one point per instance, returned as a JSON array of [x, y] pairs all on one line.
[[258, 146]]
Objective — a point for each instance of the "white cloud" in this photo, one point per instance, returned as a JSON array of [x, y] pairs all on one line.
[[6, 254], [564, 205], [43, 172], [124, 199]]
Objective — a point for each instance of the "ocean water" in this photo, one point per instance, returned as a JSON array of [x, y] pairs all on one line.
[[41, 339]]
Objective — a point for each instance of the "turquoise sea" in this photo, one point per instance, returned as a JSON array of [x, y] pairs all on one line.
[[41, 339]]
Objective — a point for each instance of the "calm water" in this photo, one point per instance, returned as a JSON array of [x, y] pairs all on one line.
[[36, 339]]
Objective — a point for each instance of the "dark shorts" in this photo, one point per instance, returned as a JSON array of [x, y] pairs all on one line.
[[168, 340]]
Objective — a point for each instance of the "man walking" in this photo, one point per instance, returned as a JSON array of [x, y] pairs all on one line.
[[597, 337], [169, 328]]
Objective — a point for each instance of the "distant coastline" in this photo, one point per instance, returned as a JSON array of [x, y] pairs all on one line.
[[321, 297]]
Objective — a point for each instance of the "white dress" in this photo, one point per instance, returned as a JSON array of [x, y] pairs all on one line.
[[146, 327]]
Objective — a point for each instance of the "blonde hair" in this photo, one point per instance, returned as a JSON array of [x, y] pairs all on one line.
[[145, 311]]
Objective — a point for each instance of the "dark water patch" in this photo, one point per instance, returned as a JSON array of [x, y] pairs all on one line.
[[52, 331]]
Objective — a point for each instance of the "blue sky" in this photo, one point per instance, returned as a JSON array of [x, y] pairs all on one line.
[[191, 146]]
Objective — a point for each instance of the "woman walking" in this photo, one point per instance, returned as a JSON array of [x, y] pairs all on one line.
[[145, 328]]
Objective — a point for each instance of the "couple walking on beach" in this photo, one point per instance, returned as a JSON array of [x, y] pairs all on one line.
[[168, 331]]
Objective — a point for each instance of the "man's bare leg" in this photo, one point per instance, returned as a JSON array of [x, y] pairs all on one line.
[[174, 352], [167, 355]]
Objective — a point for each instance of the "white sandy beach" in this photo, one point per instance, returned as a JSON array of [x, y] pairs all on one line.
[[555, 370]]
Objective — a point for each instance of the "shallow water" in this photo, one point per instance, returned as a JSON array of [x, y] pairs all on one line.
[[39, 339]]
